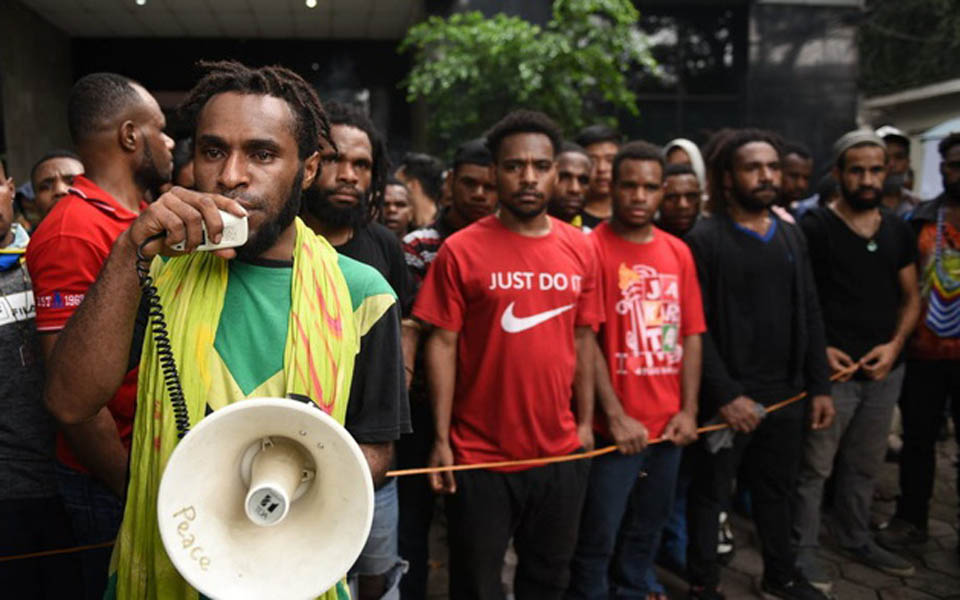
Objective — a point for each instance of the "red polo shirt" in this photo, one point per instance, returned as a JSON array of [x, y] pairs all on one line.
[[64, 257]]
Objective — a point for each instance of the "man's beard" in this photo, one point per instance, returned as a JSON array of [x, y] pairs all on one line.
[[317, 202], [269, 232], [562, 208], [859, 203], [748, 200], [148, 175], [524, 213]]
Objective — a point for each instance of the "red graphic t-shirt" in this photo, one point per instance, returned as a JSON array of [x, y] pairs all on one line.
[[515, 301], [925, 344], [651, 297], [64, 257]]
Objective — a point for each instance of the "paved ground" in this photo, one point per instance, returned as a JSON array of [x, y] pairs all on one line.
[[937, 562]]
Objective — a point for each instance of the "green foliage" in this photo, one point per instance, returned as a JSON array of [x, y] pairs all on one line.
[[471, 70], [908, 43]]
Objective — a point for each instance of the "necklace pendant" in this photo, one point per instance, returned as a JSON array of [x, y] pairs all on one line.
[[871, 246]]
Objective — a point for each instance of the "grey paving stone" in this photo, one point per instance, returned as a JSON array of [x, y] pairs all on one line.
[[846, 590], [737, 586], [747, 560], [864, 575], [946, 518], [933, 583], [829, 554], [904, 593], [938, 527], [948, 542], [944, 561]]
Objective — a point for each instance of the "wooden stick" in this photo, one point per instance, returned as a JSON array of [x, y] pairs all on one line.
[[535, 462], [59, 551]]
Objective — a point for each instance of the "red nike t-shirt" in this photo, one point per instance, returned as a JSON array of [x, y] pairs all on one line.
[[64, 257], [515, 301], [652, 301]]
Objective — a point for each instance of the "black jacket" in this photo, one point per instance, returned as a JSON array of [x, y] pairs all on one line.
[[713, 249]]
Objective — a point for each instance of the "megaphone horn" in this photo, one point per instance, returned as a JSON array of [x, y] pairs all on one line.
[[267, 497]]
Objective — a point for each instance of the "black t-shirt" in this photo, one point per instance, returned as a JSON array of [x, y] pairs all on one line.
[[589, 222], [858, 287], [761, 289], [378, 247]]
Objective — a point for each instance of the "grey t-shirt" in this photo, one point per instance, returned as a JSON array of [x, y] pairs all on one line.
[[26, 429]]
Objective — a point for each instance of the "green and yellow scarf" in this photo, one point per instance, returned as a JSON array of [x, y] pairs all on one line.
[[322, 342]]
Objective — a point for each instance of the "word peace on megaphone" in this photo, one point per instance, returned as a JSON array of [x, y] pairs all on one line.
[[265, 498]]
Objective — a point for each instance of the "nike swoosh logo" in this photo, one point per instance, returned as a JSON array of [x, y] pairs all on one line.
[[514, 324]]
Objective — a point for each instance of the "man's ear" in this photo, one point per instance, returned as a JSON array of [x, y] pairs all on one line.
[[414, 186], [128, 136], [311, 170], [447, 189]]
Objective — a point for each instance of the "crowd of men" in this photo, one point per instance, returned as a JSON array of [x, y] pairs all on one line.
[[536, 297]]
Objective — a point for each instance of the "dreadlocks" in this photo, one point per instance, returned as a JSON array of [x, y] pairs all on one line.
[[352, 116], [720, 160], [231, 76]]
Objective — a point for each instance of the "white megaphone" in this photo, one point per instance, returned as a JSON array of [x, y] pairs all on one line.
[[265, 498]]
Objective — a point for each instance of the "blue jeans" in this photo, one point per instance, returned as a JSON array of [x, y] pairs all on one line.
[[619, 503], [380, 555], [673, 541], [95, 514]]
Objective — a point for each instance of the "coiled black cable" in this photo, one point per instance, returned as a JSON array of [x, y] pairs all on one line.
[[161, 338]]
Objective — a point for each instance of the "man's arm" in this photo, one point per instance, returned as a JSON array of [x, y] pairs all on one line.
[[87, 361], [91, 355], [628, 434], [877, 362], [95, 443], [583, 384], [816, 368], [722, 392], [409, 339], [379, 458], [377, 412], [441, 359], [682, 428]]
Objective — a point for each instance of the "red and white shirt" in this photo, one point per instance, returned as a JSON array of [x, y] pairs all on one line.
[[515, 301], [64, 257], [651, 298]]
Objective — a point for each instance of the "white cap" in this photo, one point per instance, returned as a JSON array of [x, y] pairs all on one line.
[[889, 131]]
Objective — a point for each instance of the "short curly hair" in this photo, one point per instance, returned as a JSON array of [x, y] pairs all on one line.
[[95, 100], [523, 121], [231, 76], [948, 142], [637, 150]]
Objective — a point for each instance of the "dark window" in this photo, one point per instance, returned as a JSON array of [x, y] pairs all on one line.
[[702, 51]]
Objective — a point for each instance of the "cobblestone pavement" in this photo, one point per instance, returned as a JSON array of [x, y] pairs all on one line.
[[937, 562]]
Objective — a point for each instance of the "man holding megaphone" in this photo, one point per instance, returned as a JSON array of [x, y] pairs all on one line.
[[274, 319]]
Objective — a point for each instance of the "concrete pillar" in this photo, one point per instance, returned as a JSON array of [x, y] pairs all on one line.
[[35, 77]]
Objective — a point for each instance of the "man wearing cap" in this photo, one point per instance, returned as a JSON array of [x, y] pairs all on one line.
[[863, 263], [898, 149]]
